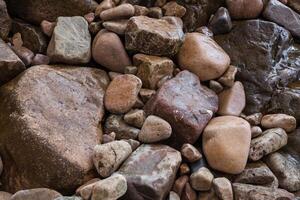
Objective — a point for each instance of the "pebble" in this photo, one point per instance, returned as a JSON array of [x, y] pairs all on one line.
[[270, 141], [104, 5], [286, 122], [173, 196], [227, 79], [202, 179], [154, 129], [155, 12], [188, 193], [184, 169], [130, 70], [223, 154], [40, 59], [85, 191], [221, 23], [25, 54], [146, 94], [135, 118], [190, 153], [117, 26], [203, 56], [35, 194], [179, 184], [243, 9], [133, 143], [90, 17], [222, 188], [173, 9], [255, 131], [215, 86], [123, 11], [254, 119], [48, 27], [140, 10], [17, 40], [121, 93]]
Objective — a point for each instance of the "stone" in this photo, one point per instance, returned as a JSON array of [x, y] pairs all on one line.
[[151, 69], [255, 131], [5, 21], [146, 94], [53, 106], [202, 179], [123, 11], [135, 118], [16, 40], [113, 75], [108, 157], [70, 42], [227, 79], [249, 192], [270, 141], [25, 54], [140, 167], [232, 101], [243, 9], [85, 191], [203, 56], [32, 36], [35, 194], [179, 184], [5, 195], [104, 5], [140, 10], [130, 70], [108, 51], [184, 169], [222, 188], [95, 27], [254, 119], [106, 138], [115, 123], [190, 153], [173, 9], [153, 36], [116, 26], [188, 193], [286, 122], [220, 23], [40, 59], [133, 143], [110, 188], [47, 27], [215, 86], [139, 104], [229, 156], [1, 166], [172, 196], [282, 15], [89, 17], [184, 98], [160, 3], [122, 93], [254, 57], [174, 20], [155, 129], [205, 31], [294, 4], [257, 173], [35, 11], [10, 64], [155, 12]]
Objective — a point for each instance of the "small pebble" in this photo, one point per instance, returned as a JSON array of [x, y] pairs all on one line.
[[202, 179], [287, 122], [135, 118], [223, 189], [190, 153]]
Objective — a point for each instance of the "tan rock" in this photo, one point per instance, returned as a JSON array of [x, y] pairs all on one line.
[[223, 189], [173, 9], [135, 118], [117, 26], [202, 179], [190, 153], [17, 40], [203, 56], [244, 9], [226, 143], [184, 169], [188, 193], [123, 11], [255, 131], [254, 119], [232, 101], [287, 122], [228, 77]]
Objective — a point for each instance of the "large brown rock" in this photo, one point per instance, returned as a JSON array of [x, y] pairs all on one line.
[[5, 21], [10, 63], [49, 123], [186, 105], [150, 172]]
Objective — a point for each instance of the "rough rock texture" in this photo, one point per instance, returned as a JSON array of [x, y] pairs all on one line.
[[186, 105], [49, 123], [36, 194], [267, 60], [5, 21], [153, 36], [10, 63], [35, 11], [70, 42], [150, 172]]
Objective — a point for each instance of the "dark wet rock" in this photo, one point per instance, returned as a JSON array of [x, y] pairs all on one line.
[[150, 172], [43, 115], [267, 60], [221, 22], [5, 21]]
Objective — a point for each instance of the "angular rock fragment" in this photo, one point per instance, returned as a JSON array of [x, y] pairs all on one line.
[[228, 77], [5, 21], [202, 179], [221, 22]]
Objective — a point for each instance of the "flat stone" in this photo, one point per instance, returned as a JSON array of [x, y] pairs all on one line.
[[241, 9], [5, 21], [150, 172], [184, 98], [190, 153], [53, 106], [35, 194], [221, 22], [270, 141], [223, 189], [173, 9], [85, 191], [202, 56], [153, 36], [70, 42], [135, 118], [10, 63], [287, 122], [123, 11], [229, 156], [202, 179]]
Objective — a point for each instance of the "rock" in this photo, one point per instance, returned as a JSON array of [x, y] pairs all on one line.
[[179, 184], [257, 173], [35, 194], [172, 196], [35, 11], [249, 192], [40, 59], [32, 36], [153, 36], [155, 12], [24, 54], [106, 138], [130, 70], [113, 187], [70, 42], [53, 106], [255, 131], [223, 189], [122, 93], [95, 27], [16, 40], [155, 129], [173, 9], [282, 15], [184, 169], [202, 56], [5, 21], [85, 191], [270, 141], [108, 51], [90, 17], [232, 101], [161, 160], [108, 157], [286, 122], [190, 153], [215, 86], [202, 179], [123, 11], [174, 20], [133, 143], [104, 5], [5, 195], [186, 105], [117, 26], [254, 119], [10, 63], [146, 94], [47, 27], [151, 69], [228, 77], [135, 118], [115, 123], [242, 9], [220, 22], [188, 193], [205, 31], [229, 156], [140, 10], [294, 4], [113, 75]]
